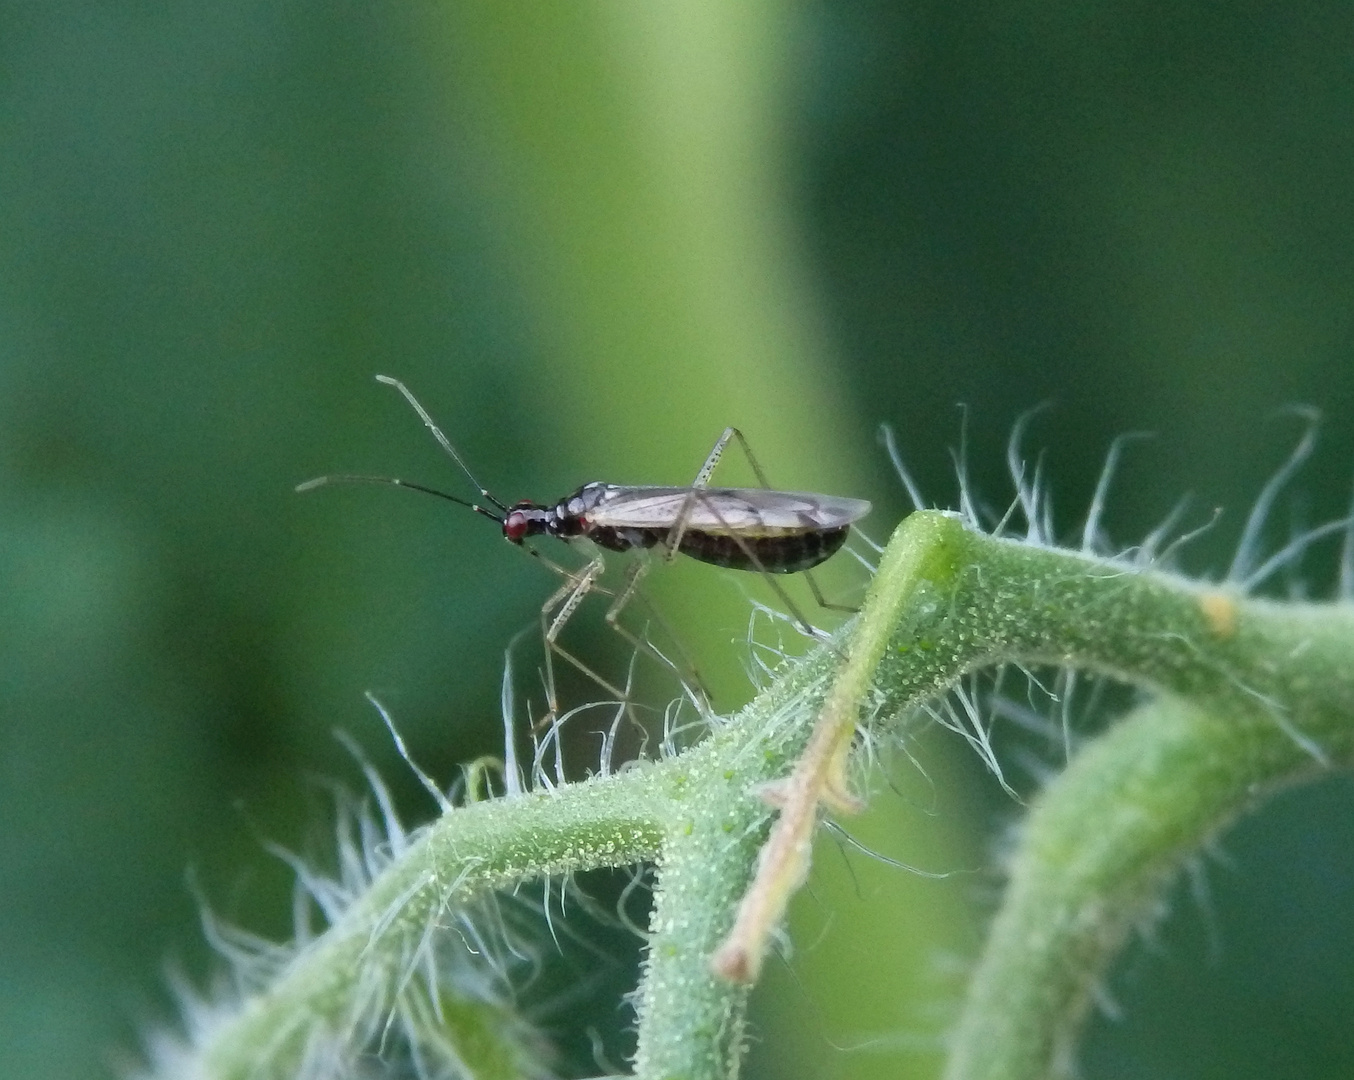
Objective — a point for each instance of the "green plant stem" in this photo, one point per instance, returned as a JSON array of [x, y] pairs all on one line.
[[1097, 851], [1267, 699], [1255, 695], [351, 973], [690, 1020], [950, 600]]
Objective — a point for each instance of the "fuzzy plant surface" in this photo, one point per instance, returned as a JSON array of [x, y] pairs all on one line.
[[414, 968]]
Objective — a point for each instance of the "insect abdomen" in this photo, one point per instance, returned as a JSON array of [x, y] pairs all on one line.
[[775, 554]]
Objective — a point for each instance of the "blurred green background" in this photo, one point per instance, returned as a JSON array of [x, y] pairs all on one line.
[[589, 235]]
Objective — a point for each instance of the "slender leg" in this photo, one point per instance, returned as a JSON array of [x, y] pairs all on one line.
[[678, 529], [690, 678], [560, 607], [823, 602], [703, 480], [555, 613], [569, 595]]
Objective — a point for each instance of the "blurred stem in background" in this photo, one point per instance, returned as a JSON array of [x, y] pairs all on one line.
[[635, 157]]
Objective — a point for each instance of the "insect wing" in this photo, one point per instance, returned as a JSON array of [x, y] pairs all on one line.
[[747, 511]]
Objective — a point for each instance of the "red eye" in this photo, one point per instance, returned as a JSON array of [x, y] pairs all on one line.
[[515, 526]]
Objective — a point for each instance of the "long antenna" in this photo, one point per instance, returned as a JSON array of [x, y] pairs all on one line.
[[347, 478], [443, 440]]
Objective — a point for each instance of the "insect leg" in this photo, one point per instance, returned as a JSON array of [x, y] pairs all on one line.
[[703, 480], [776, 587], [690, 677], [704, 475], [567, 595], [707, 470], [555, 613], [823, 601]]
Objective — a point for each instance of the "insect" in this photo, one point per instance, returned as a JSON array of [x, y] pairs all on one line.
[[758, 529]]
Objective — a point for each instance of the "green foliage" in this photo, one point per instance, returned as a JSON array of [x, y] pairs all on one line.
[[591, 235]]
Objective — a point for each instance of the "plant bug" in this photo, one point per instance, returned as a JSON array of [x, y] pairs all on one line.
[[759, 529]]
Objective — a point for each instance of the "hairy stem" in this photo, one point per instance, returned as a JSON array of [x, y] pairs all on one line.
[[1097, 851], [819, 777], [949, 600], [691, 1020], [351, 974], [1253, 695]]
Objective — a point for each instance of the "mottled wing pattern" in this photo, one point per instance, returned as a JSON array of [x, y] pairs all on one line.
[[747, 511]]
